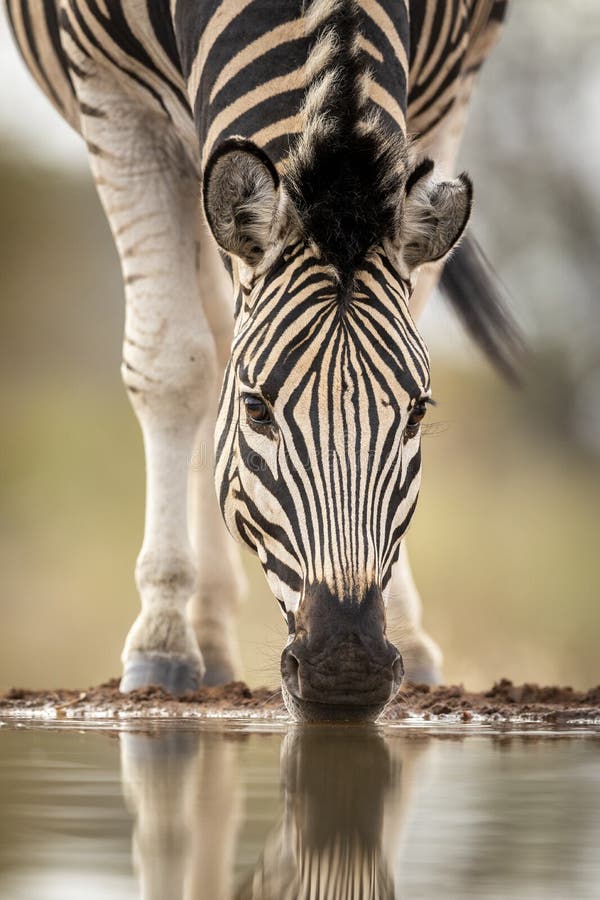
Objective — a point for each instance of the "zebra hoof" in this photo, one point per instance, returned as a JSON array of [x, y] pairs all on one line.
[[422, 662], [174, 675], [218, 674], [218, 667], [423, 673]]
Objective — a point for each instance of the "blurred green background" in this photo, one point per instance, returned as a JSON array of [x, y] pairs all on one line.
[[506, 541]]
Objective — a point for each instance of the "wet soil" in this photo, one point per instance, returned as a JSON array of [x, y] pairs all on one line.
[[504, 702]]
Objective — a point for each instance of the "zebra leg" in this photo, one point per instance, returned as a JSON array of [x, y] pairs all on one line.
[[213, 606], [421, 656], [149, 189], [221, 580], [169, 372]]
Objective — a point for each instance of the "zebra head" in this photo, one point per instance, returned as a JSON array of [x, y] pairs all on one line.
[[317, 442]]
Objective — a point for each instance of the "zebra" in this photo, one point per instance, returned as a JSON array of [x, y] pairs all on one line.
[[254, 154]]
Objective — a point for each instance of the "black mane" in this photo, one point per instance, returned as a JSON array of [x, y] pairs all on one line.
[[346, 191]]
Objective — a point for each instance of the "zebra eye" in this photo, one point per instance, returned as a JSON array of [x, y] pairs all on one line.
[[257, 410], [414, 420]]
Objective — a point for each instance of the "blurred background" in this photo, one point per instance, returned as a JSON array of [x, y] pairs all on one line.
[[506, 541]]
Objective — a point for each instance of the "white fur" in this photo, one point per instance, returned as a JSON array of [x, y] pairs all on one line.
[[150, 193], [421, 656], [317, 12]]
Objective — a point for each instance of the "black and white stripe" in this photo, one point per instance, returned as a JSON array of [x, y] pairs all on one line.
[[294, 115], [328, 495], [238, 66]]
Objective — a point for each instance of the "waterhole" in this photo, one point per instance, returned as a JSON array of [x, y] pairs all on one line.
[[220, 810]]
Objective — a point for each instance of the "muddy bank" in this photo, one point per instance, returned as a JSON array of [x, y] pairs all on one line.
[[504, 702]]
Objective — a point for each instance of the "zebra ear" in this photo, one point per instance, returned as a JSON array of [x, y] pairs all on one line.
[[435, 215], [241, 193]]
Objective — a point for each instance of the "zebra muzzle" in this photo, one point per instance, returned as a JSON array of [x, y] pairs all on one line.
[[340, 664]]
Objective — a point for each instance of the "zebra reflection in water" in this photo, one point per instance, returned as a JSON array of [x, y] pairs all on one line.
[[329, 843], [345, 796]]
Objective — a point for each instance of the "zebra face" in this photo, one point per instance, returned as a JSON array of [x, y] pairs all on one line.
[[317, 442]]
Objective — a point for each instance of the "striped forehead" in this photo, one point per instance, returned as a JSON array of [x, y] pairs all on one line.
[[303, 322]]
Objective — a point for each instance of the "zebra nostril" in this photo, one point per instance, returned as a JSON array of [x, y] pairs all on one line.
[[291, 673], [291, 621], [397, 671]]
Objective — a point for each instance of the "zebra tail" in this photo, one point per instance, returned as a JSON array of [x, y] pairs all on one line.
[[478, 297]]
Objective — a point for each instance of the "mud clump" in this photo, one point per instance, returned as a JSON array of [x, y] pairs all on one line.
[[503, 702], [107, 698]]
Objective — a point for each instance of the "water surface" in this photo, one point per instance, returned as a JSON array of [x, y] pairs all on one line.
[[221, 811]]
